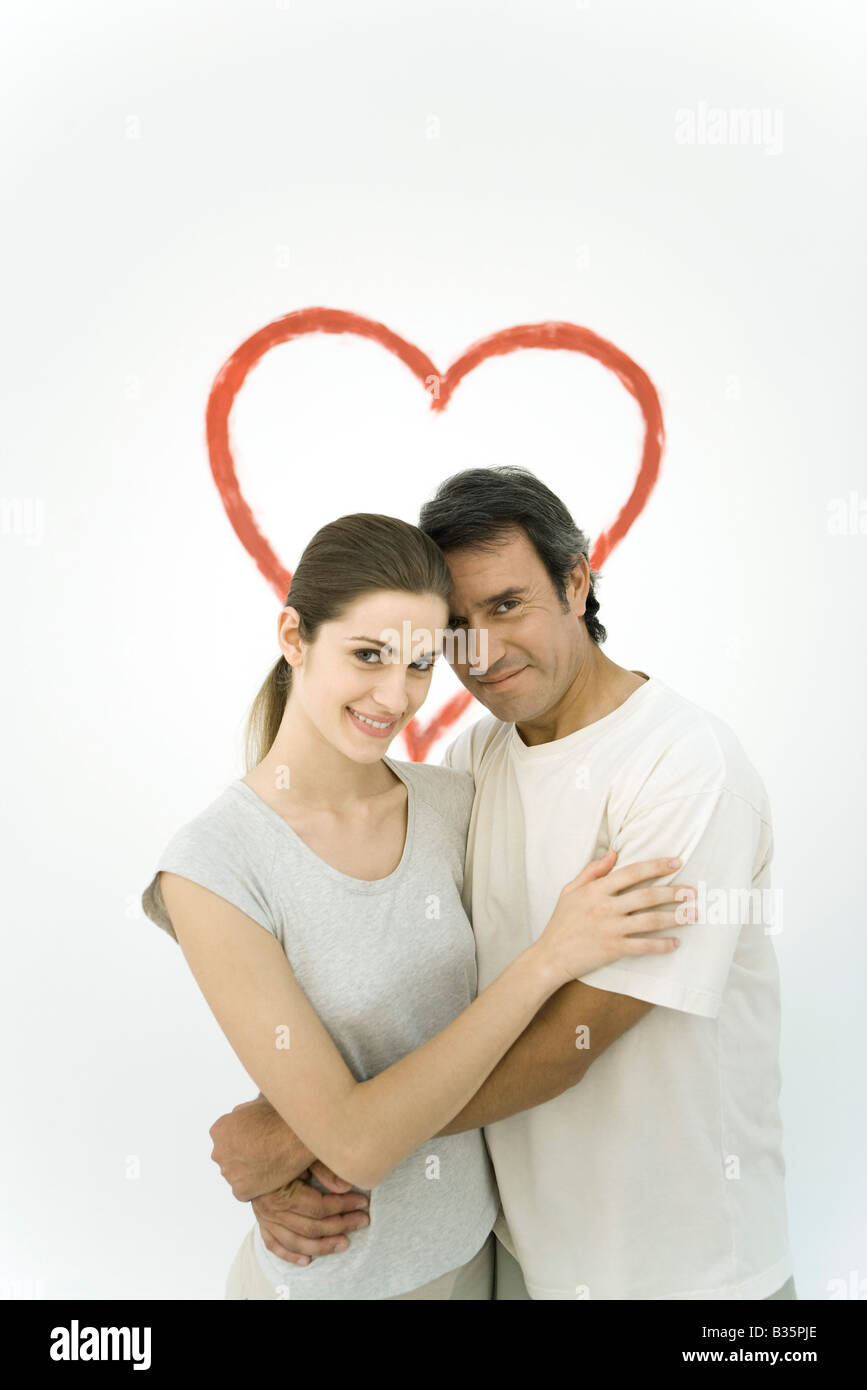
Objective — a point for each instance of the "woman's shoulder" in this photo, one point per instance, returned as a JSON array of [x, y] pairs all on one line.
[[225, 847], [229, 821]]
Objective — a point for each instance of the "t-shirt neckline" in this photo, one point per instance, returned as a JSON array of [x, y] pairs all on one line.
[[364, 885], [539, 752]]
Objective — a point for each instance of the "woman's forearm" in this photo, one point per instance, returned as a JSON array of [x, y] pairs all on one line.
[[363, 1130], [395, 1111]]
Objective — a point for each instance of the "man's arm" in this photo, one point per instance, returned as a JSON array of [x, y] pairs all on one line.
[[716, 834], [545, 1060], [257, 1151]]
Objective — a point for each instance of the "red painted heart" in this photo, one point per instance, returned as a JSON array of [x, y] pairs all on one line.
[[441, 385]]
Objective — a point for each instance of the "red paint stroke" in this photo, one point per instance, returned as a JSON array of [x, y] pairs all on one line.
[[554, 335]]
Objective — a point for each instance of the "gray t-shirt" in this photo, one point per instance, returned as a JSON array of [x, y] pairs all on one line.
[[387, 964]]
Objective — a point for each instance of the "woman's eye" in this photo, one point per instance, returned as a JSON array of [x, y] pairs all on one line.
[[363, 652]]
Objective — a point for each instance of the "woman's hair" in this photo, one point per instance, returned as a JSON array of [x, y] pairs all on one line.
[[349, 557]]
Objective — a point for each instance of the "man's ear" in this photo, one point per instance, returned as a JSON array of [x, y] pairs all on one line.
[[578, 587]]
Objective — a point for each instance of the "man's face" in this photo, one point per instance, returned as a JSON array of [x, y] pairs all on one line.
[[534, 648]]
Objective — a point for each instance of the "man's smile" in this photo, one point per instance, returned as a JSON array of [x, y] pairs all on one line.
[[501, 681]]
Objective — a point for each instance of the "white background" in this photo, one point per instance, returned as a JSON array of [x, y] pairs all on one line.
[[177, 176]]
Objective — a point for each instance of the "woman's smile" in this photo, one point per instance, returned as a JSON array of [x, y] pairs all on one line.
[[379, 728]]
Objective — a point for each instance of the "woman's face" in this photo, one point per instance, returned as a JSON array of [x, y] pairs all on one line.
[[364, 676]]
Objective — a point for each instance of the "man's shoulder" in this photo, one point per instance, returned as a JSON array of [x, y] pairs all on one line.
[[686, 749], [448, 791], [467, 751]]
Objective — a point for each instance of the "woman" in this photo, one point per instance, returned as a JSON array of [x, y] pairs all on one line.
[[355, 1009]]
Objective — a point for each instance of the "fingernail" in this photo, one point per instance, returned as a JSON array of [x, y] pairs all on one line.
[[674, 863]]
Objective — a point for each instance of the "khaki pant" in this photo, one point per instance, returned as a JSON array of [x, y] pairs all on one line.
[[509, 1281], [472, 1280], [491, 1274]]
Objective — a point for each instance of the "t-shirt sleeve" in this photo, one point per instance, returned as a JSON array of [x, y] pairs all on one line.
[[725, 846], [213, 856], [459, 754], [463, 794]]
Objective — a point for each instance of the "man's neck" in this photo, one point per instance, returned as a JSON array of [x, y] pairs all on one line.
[[599, 688]]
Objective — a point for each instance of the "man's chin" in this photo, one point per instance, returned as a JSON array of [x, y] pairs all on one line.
[[511, 708]]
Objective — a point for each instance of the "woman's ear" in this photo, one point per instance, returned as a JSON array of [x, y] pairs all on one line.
[[288, 635]]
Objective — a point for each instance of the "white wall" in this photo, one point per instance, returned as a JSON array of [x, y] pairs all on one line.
[[178, 177]]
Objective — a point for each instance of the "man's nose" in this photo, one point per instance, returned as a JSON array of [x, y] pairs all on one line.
[[478, 650]]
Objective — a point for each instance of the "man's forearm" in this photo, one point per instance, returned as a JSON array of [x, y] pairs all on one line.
[[536, 1068], [540, 1065], [288, 1150], [545, 1060], [290, 1155], [256, 1150]]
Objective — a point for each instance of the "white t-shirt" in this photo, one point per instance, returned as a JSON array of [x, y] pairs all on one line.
[[660, 1175]]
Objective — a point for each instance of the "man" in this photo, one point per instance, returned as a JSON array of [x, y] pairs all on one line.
[[634, 1126]]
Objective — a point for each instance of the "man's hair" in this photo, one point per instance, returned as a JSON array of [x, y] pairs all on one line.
[[476, 508]]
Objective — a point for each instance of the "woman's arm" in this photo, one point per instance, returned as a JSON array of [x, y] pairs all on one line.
[[363, 1130]]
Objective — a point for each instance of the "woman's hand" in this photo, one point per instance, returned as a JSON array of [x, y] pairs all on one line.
[[596, 917]]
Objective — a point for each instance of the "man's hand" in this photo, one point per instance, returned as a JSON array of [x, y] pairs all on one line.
[[298, 1222], [265, 1164], [256, 1151]]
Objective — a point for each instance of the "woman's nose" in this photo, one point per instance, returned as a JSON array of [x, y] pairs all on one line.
[[390, 691]]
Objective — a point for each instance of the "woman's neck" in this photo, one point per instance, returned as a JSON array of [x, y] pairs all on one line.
[[303, 768]]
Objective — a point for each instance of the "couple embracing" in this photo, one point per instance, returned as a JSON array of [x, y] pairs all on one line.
[[504, 1050]]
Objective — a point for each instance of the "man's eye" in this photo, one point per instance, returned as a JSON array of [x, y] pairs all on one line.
[[506, 602], [367, 651]]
